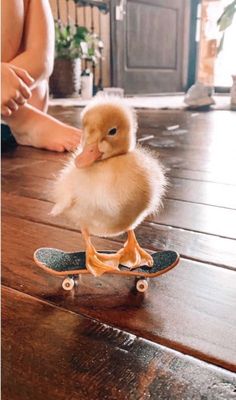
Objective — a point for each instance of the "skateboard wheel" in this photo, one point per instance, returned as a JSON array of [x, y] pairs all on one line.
[[142, 285], [68, 284]]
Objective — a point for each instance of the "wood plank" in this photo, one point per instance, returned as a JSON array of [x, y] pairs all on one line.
[[195, 160], [196, 246], [172, 161], [215, 177], [180, 214], [192, 245], [189, 150], [28, 186], [186, 148], [42, 168], [68, 115], [196, 129], [55, 354], [176, 213], [202, 127], [26, 152], [171, 158], [209, 193], [182, 309], [198, 217]]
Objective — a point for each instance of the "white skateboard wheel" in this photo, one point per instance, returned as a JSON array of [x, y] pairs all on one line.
[[68, 284], [142, 285]]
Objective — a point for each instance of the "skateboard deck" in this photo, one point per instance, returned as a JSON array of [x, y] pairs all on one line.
[[60, 263]]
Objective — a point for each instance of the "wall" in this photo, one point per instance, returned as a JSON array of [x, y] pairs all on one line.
[[208, 44], [84, 19]]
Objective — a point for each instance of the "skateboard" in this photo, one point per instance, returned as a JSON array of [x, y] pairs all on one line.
[[71, 265]]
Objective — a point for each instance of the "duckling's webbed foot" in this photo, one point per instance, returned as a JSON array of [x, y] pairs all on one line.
[[132, 255], [98, 263]]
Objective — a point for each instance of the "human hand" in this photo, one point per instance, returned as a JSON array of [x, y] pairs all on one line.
[[15, 87]]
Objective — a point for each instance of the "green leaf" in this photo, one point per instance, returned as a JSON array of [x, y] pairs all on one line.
[[225, 22], [227, 16], [68, 39]]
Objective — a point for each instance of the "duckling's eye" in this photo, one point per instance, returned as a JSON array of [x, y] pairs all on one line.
[[112, 132]]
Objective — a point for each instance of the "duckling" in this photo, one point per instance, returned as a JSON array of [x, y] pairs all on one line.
[[110, 184]]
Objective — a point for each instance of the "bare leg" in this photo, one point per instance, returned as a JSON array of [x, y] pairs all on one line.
[[98, 263], [40, 96], [31, 127], [132, 255]]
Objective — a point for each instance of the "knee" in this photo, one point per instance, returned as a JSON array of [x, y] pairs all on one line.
[[40, 95]]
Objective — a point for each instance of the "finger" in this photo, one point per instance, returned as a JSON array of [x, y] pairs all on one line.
[[24, 90], [19, 99], [5, 111], [23, 74], [12, 105]]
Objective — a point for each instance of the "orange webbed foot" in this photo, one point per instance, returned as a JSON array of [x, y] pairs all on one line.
[[132, 255], [98, 263]]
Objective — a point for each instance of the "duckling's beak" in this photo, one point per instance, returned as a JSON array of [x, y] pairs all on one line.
[[89, 155]]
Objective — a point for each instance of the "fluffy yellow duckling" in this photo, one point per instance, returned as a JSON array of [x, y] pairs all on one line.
[[110, 185]]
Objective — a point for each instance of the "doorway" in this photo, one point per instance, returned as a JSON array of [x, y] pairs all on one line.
[[150, 45]]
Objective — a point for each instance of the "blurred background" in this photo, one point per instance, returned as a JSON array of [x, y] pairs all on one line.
[[143, 46]]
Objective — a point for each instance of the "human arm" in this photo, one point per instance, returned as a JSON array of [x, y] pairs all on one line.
[[15, 90], [38, 55]]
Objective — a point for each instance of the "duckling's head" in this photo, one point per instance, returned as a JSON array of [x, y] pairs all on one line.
[[109, 129]]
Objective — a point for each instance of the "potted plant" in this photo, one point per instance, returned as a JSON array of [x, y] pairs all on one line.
[[73, 43], [69, 40]]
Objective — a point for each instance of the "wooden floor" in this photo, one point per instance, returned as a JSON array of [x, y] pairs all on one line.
[[103, 340]]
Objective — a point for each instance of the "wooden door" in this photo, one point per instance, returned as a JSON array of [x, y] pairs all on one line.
[[150, 45]]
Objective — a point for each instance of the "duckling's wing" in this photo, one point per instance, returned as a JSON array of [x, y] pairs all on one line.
[[60, 207]]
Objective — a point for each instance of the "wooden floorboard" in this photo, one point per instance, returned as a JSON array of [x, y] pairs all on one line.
[[176, 213], [190, 310], [197, 246], [190, 150], [189, 190], [50, 353], [209, 193], [181, 310], [198, 217], [212, 177]]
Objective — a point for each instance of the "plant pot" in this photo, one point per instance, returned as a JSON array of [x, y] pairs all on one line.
[[65, 79]]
